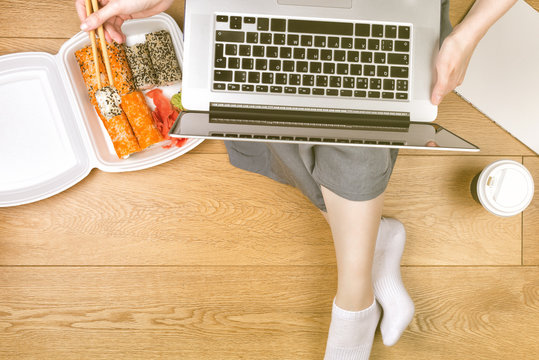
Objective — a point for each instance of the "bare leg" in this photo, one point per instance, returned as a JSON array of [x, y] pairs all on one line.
[[354, 226]]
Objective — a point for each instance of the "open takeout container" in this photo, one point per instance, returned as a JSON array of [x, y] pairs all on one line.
[[50, 134]]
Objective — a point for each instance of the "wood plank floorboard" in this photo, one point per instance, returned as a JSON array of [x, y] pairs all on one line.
[[218, 214], [275, 312], [531, 218]]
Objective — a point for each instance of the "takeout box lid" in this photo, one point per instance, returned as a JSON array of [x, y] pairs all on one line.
[[46, 143]]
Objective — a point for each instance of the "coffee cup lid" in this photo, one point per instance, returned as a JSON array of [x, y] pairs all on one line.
[[505, 188]]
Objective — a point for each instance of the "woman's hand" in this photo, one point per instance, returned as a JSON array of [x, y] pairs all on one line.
[[113, 13], [451, 63]]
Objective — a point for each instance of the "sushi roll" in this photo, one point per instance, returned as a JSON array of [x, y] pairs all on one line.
[[164, 61], [140, 118], [108, 100], [121, 73], [141, 66]]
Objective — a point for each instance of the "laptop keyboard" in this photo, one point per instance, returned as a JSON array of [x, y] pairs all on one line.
[[312, 58]]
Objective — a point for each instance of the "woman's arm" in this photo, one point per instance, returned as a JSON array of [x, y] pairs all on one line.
[[458, 47]]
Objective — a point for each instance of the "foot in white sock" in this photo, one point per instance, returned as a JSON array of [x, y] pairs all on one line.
[[386, 277], [351, 333]]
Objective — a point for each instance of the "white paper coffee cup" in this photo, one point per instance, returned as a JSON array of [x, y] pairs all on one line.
[[505, 188]]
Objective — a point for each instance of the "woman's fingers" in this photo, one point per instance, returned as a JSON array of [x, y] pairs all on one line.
[[81, 9], [98, 18], [113, 27]]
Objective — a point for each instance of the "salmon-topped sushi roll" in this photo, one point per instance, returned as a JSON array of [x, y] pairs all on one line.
[[140, 117]]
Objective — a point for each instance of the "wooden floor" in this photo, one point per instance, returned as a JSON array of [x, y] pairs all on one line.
[[195, 259]]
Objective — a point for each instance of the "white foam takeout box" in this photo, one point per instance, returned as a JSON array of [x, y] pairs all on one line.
[[50, 134]]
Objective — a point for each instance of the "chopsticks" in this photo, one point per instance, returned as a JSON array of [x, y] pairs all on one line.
[[103, 43]]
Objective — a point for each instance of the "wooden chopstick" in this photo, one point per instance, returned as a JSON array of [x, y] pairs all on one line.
[[103, 46], [94, 47]]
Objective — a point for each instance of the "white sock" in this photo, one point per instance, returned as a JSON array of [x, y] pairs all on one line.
[[386, 277], [351, 333]]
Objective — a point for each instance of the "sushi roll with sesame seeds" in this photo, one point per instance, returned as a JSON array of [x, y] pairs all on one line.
[[141, 66], [163, 57]]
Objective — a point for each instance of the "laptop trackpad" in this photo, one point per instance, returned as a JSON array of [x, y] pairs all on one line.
[[347, 4]]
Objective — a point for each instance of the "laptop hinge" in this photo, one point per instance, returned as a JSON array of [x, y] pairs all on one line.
[[292, 116]]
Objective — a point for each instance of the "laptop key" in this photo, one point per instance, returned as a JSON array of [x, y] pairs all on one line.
[[329, 68], [233, 63], [377, 30], [389, 84], [355, 69], [316, 67], [292, 40], [387, 95], [360, 93], [342, 69], [252, 38], [347, 43], [382, 71], [265, 38], [404, 32], [222, 18], [403, 46], [254, 77], [346, 92], [275, 65], [362, 83], [317, 91], [380, 58], [322, 81], [231, 49], [399, 72], [374, 44], [308, 80], [281, 79], [335, 81], [375, 84], [397, 59], [249, 20], [246, 87], [294, 79], [288, 65], [320, 41], [278, 25], [387, 45], [402, 96], [258, 51], [263, 24], [326, 55], [279, 39], [366, 57], [245, 50], [306, 40], [230, 36], [247, 64], [219, 86], [233, 87], [222, 75], [332, 92], [339, 55], [312, 54], [272, 51], [333, 42], [235, 22], [402, 85], [348, 82], [261, 64], [240, 76], [289, 90], [299, 53], [369, 70], [374, 94], [391, 31], [267, 78], [360, 44], [304, 91], [276, 89], [285, 53], [302, 66], [262, 88], [353, 56], [363, 29]]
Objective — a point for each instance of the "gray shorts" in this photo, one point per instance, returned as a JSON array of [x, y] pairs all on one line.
[[354, 173]]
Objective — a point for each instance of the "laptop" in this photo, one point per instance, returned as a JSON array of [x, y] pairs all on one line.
[[340, 72], [510, 97]]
